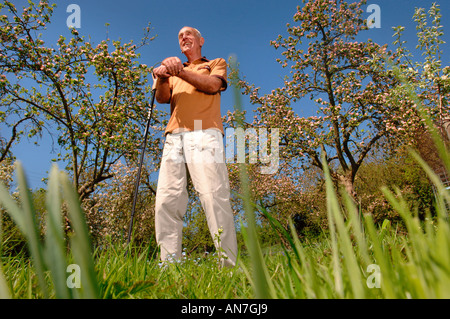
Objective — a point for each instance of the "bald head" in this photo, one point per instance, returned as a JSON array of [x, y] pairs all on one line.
[[191, 42], [196, 32]]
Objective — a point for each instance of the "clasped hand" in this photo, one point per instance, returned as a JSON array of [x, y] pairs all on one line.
[[169, 67]]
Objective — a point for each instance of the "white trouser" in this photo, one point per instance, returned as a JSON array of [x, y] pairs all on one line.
[[202, 153]]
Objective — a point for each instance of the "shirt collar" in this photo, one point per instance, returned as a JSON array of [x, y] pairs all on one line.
[[203, 59]]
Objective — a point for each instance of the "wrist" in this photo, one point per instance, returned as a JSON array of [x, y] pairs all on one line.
[[181, 74], [163, 80]]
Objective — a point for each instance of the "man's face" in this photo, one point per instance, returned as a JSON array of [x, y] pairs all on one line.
[[189, 40]]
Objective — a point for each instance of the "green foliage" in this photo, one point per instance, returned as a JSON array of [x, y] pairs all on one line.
[[107, 210], [398, 170], [13, 241], [196, 235]]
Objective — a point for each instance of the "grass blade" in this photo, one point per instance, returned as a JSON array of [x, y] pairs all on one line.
[[263, 286], [31, 228], [350, 261], [332, 204], [388, 279], [55, 243], [4, 292], [80, 243]]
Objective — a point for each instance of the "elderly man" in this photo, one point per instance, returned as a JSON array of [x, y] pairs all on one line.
[[194, 143]]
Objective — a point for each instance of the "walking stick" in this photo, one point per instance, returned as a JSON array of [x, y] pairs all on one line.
[[138, 178]]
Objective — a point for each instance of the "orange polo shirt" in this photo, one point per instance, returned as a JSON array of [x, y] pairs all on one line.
[[187, 104]]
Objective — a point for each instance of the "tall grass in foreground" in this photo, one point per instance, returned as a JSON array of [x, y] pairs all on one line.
[[351, 262], [365, 262], [105, 272], [50, 257]]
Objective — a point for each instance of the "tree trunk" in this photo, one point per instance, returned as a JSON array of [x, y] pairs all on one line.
[[347, 181]]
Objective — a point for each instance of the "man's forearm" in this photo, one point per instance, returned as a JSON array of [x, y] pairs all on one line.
[[163, 93], [204, 83]]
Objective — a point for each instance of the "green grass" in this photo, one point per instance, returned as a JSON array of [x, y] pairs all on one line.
[[136, 276], [409, 268], [139, 277]]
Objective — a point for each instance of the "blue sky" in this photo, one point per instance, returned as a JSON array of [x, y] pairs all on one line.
[[243, 28]]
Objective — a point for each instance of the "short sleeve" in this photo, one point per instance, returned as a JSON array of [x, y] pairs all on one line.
[[219, 69]]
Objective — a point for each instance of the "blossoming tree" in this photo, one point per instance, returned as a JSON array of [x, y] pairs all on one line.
[[94, 98], [345, 77]]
